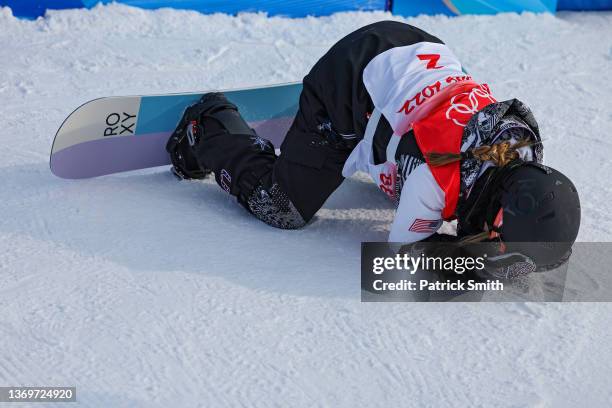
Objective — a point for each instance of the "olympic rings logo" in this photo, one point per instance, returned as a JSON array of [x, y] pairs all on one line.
[[461, 109]]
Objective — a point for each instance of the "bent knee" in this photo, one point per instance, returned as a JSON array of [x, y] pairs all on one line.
[[274, 207]]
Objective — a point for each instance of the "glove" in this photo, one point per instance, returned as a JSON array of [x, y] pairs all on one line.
[[507, 266]]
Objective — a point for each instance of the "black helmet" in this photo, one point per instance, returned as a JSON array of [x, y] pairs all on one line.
[[530, 208]]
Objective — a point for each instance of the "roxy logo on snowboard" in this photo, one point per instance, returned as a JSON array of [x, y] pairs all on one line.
[[120, 124]]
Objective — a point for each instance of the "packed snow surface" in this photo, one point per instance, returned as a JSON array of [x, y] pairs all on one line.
[[143, 291]]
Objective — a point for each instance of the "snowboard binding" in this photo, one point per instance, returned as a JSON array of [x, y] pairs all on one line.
[[190, 131], [187, 133]]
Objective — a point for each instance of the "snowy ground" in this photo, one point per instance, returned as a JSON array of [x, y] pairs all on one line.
[[146, 292]]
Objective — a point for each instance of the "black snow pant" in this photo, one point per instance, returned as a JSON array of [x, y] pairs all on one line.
[[283, 191], [334, 108]]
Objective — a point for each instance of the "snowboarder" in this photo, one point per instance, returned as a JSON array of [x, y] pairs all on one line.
[[392, 100]]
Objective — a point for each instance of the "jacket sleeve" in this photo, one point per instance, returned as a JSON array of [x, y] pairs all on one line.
[[419, 213]]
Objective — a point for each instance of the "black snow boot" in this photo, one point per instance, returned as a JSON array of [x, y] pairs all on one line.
[[210, 114], [179, 146]]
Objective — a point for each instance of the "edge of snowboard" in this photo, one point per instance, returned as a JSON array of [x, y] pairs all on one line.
[[152, 143]]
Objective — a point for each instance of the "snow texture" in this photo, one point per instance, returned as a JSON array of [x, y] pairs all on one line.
[[148, 292]]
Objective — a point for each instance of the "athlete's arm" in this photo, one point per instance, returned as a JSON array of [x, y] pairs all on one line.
[[419, 213]]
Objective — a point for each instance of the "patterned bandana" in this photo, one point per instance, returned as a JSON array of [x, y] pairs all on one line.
[[495, 123]]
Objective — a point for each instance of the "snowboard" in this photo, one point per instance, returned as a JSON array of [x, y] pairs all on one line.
[[116, 134]]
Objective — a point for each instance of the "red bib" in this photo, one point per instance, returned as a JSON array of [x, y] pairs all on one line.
[[441, 132]]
